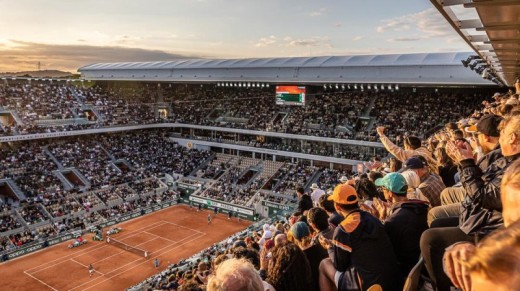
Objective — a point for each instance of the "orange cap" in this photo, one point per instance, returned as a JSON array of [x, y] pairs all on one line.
[[344, 194]]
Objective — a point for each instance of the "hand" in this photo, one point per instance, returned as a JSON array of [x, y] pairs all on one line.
[[459, 151], [381, 208], [325, 243], [453, 267], [380, 130], [264, 259], [473, 142]]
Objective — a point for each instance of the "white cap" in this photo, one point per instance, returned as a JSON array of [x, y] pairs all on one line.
[[314, 186], [265, 227], [268, 234], [343, 179]]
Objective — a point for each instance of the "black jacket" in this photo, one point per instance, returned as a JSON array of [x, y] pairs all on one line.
[[482, 208], [304, 204], [360, 242], [404, 227]]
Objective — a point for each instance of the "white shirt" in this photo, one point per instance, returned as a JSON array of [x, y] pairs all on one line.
[[315, 196]]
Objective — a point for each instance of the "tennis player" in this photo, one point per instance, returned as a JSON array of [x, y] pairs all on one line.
[[209, 218], [90, 270]]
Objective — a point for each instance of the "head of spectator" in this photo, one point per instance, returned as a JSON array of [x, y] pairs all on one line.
[[318, 219], [442, 156], [450, 127], [343, 179], [412, 142], [495, 263], [510, 135], [418, 165], [374, 175], [314, 186], [239, 243], [395, 164], [249, 254], [509, 194], [280, 239], [289, 268], [301, 234], [300, 191], [458, 134], [366, 189], [345, 199], [394, 187], [487, 132], [326, 204], [235, 275]]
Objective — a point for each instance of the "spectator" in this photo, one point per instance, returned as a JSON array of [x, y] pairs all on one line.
[[317, 219], [482, 208], [316, 194], [359, 247], [235, 275], [334, 217], [406, 222], [289, 269], [412, 147], [315, 253], [431, 184], [304, 202]]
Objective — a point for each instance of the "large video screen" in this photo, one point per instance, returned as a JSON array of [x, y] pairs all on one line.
[[290, 95]]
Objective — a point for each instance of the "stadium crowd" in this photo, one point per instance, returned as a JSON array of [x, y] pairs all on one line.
[[442, 213]]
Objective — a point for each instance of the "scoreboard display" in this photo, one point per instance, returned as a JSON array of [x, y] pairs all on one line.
[[290, 95]]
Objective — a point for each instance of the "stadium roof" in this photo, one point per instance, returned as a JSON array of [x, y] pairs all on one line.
[[491, 28], [425, 68]]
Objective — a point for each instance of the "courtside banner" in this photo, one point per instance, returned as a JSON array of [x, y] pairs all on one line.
[[221, 205], [276, 208], [59, 239]]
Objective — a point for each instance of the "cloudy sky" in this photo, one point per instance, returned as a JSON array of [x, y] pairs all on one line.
[[68, 34]]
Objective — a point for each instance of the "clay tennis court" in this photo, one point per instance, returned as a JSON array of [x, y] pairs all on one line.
[[171, 234]]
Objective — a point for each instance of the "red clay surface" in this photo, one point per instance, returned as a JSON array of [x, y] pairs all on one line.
[[171, 234]]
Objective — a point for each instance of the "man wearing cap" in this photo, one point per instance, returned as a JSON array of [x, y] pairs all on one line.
[[431, 184], [481, 211], [406, 222], [360, 248], [316, 194], [485, 136]]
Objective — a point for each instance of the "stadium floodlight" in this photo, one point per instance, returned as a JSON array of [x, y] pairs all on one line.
[[375, 87], [348, 86], [267, 85], [263, 85], [337, 86], [362, 87], [369, 87], [396, 87], [257, 85], [355, 86], [324, 87], [466, 62], [342, 87]]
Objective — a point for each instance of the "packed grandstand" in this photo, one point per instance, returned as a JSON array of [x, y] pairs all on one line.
[[381, 185]]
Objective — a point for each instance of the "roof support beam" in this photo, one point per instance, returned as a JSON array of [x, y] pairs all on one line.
[[488, 3]]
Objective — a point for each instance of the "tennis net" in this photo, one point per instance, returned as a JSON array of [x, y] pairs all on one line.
[[127, 247]]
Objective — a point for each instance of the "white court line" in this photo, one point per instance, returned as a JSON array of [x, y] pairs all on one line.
[[119, 273], [82, 251], [86, 267], [40, 281], [181, 226], [157, 236]]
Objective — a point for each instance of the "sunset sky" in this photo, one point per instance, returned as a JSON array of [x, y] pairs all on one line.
[[68, 34]]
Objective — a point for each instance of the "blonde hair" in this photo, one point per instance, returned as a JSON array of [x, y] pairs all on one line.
[[497, 257], [235, 275], [510, 199]]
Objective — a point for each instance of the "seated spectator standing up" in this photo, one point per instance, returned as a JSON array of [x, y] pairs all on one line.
[[304, 202], [316, 193], [407, 220], [482, 208], [360, 251], [431, 184], [412, 147]]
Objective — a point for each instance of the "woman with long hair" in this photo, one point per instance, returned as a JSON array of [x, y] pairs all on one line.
[[289, 269]]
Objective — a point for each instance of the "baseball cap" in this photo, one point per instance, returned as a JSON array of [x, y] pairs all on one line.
[[268, 234], [343, 179], [414, 163], [487, 124], [300, 230], [314, 186], [394, 182], [344, 194]]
